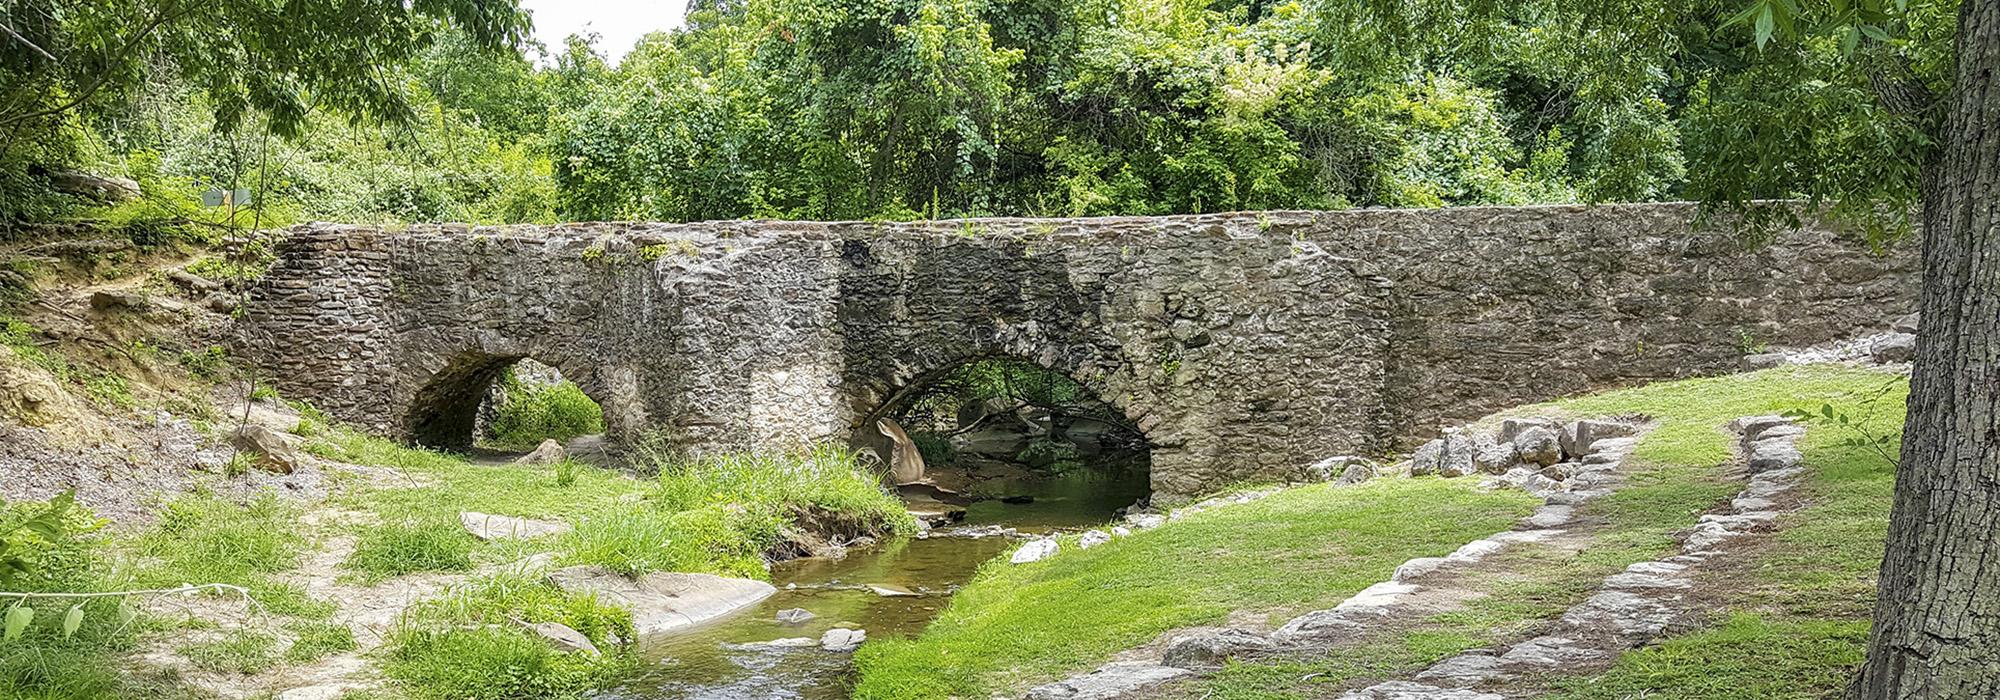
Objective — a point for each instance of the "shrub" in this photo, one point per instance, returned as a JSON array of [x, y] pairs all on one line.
[[409, 546], [530, 414]]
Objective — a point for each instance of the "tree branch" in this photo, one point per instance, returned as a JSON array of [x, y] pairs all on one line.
[[102, 77], [24, 40]]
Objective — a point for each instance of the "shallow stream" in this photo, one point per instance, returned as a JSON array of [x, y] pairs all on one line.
[[713, 663]]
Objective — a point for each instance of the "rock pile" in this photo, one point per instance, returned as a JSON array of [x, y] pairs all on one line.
[[1537, 445]]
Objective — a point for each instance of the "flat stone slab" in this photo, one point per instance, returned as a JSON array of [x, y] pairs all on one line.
[[1110, 681], [490, 527], [662, 601], [1405, 690]]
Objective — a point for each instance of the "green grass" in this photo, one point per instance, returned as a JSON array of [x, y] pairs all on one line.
[[1826, 564], [203, 538], [242, 651], [1299, 550], [466, 645], [432, 543], [312, 641], [1747, 657]]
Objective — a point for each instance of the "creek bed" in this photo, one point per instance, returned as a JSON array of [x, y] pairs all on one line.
[[714, 663]]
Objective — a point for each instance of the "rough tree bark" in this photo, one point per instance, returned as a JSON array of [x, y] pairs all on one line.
[[1937, 618]]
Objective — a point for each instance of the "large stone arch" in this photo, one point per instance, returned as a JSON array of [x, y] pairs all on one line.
[[1244, 346]]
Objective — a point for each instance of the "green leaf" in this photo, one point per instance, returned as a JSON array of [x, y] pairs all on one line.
[[1766, 24], [1826, 409], [1874, 32], [18, 618], [126, 615], [72, 620], [1848, 41]]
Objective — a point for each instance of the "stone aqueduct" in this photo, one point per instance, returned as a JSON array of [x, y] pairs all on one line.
[[1245, 346]]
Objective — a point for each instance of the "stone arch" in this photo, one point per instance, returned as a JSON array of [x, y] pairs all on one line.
[[443, 411]]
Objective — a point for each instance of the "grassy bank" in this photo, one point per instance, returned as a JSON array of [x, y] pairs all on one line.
[[1296, 551], [1822, 563]]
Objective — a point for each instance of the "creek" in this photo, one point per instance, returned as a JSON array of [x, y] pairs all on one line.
[[722, 660]]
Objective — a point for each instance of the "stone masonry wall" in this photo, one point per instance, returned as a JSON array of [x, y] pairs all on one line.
[[1245, 346]]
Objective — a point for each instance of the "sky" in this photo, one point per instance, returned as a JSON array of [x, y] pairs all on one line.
[[621, 22]]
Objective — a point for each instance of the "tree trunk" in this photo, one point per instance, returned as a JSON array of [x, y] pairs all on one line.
[[1937, 618]]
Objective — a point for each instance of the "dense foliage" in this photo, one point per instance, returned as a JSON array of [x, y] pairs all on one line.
[[926, 108]]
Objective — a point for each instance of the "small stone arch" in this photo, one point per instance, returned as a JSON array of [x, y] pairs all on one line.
[[443, 411]]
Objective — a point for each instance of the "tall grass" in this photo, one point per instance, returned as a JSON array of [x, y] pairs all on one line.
[[722, 514]]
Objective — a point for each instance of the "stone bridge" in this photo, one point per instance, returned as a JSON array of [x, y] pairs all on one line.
[[1245, 346]]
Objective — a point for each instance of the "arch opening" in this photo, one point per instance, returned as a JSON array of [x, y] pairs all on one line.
[[1023, 444], [502, 404]]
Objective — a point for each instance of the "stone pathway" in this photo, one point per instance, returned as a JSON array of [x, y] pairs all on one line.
[[1632, 607], [1418, 589]]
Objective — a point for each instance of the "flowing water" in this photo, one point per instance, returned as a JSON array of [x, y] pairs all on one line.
[[722, 661]]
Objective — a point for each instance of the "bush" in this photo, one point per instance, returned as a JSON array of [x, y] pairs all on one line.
[[408, 546], [530, 414]]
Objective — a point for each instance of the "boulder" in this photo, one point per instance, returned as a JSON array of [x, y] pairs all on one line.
[[1212, 649], [272, 450], [1146, 521], [109, 299], [1577, 438], [193, 282], [1494, 457], [1893, 348], [664, 601], [490, 527], [1356, 473], [1906, 324], [1093, 538], [794, 616], [1537, 445], [219, 302], [1034, 551], [562, 637], [1338, 468], [842, 639], [1455, 454], [98, 187], [1763, 360], [1513, 427], [549, 452]]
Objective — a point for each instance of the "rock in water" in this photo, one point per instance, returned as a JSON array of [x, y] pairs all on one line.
[[663, 601], [549, 452], [793, 616], [840, 639], [501, 527], [272, 449], [891, 591], [1035, 551]]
